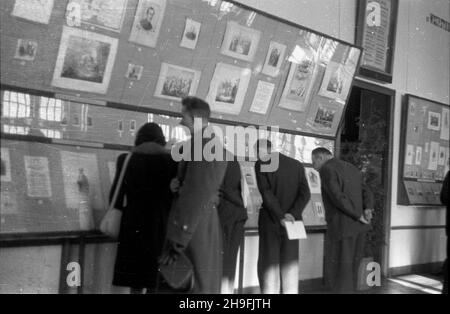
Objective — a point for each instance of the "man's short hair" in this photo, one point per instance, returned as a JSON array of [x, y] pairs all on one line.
[[264, 143], [197, 107], [321, 151]]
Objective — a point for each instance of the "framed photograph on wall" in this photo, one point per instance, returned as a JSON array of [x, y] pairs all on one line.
[[26, 49], [106, 14], [228, 88], [147, 22], [375, 32], [38, 11], [85, 61], [177, 82], [190, 34], [240, 42], [274, 59]]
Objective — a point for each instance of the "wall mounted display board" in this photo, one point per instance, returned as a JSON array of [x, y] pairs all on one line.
[[375, 33], [252, 67], [425, 150], [78, 82]]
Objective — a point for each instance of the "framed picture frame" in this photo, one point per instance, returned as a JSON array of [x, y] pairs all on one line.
[[26, 49], [190, 34], [134, 72], [176, 82], [85, 61], [105, 14], [274, 59], [375, 33], [38, 11], [240, 42], [147, 22], [228, 88]]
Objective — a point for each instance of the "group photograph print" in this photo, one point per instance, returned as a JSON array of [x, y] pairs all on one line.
[[176, 82], [147, 22], [240, 42], [228, 88], [85, 61], [105, 14]]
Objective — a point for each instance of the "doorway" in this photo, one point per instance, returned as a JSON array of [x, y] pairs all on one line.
[[365, 139]]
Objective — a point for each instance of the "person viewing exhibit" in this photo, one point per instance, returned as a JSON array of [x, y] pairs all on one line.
[[237, 147]]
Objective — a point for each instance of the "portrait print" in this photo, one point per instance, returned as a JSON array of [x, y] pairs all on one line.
[[240, 42], [177, 82], [85, 61], [274, 59], [26, 49], [434, 121], [190, 34], [147, 22]]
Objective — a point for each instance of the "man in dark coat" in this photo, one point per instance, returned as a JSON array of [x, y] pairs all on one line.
[[348, 211], [232, 216], [145, 187], [194, 223], [285, 193], [445, 200]]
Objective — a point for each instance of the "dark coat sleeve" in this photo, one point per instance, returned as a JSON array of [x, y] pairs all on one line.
[[332, 187], [445, 190], [303, 194], [368, 200], [269, 200], [121, 196], [200, 186], [232, 184]]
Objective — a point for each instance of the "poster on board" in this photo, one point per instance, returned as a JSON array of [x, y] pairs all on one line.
[[191, 33], [38, 177], [85, 61], [5, 165], [78, 167]]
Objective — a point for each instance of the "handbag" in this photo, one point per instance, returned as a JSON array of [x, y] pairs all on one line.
[[179, 275], [110, 224]]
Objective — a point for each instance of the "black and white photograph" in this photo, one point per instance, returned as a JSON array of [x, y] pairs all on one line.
[[191, 34], [228, 88], [134, 72], [147, 22], [176, 82], [85, 61], [274, 59], [38, 11], [240, 42], [434, 121], [26, 49], [325, 117]]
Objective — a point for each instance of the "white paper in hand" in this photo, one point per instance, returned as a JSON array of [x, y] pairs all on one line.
[[295, 230]]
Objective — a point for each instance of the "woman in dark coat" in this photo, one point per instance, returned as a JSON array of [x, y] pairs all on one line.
[[145, 199]]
